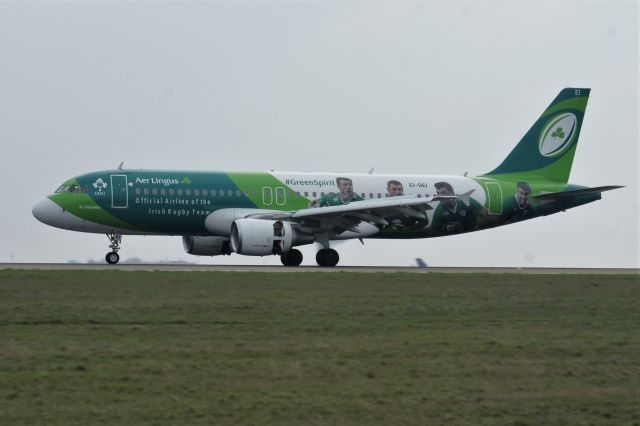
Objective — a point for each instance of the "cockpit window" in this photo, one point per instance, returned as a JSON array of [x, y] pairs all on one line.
[[80, 189]]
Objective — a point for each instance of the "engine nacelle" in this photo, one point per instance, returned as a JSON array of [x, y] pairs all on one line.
[[219, 222], [206, 246], [259, 237]]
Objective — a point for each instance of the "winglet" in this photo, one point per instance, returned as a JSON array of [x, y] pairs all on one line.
[[465, 197]]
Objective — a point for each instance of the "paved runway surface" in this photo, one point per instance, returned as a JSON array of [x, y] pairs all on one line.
[[262, 268]]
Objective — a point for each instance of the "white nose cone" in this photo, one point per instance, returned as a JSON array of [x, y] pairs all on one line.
[[47, 212]]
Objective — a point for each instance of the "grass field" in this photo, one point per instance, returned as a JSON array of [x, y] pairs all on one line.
[[200, 348]]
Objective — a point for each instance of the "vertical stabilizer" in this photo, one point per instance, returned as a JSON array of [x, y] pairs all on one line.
[[546, 151]]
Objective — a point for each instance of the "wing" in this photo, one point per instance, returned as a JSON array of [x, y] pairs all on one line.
[[357, 219]]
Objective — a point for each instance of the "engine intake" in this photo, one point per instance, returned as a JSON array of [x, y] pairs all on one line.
[[259, 237]]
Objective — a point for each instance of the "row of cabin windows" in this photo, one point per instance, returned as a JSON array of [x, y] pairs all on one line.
[[237, 193], [196, 192]]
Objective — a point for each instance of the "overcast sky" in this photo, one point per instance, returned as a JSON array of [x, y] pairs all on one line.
[[421, 88]]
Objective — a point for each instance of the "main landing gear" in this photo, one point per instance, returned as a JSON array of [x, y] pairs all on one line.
[[327, 257], [113, 257], [291, 258]]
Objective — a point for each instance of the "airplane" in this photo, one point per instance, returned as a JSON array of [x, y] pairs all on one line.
[[271, 213]]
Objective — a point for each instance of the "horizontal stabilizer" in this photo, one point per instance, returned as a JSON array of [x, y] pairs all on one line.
[[575, 193]]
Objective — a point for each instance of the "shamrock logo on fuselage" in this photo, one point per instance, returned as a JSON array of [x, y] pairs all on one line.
[[559, 133], [100, 185]]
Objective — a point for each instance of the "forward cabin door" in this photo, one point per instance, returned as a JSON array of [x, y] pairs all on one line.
[[119, 192]]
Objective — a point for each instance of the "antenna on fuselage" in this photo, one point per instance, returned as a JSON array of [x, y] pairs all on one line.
[[371, 170], [120, 166]]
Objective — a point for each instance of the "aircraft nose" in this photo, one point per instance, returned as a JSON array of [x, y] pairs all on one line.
[[46, 211]]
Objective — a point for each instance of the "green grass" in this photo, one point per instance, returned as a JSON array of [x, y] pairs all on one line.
[[199, 348]]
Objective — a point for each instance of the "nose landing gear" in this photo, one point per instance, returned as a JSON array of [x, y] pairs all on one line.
[[113, 257]]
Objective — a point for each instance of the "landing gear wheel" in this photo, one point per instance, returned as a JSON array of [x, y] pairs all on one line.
[[327, 257], [112, 258], [291, 258]]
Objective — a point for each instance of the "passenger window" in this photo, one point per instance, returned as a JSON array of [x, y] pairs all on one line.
[[238, 193], [187, 191], [154, 191], [379, 195], [314, 194], [196, 192], [146, 191], [171, 191], [419, 195], [163, 191], [180, 191], [214, 193], [371, 195], [306, 194], [221, 192], [138, 191], [322, 194], [205, 192], [229, 193]]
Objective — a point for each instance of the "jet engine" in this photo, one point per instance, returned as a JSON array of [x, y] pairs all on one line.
[[260, 237], [206, 246]]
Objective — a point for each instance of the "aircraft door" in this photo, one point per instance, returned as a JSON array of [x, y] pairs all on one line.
[[494, 195], [119, 192]]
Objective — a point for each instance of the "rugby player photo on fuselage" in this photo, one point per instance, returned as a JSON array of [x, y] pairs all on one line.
[[454, 215], [518, 207], [344, 196], [403, 221]]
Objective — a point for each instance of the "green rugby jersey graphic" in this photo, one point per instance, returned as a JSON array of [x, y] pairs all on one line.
[[460, 218], [334, 199]]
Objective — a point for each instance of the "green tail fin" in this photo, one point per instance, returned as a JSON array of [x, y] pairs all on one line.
[[546, 151]]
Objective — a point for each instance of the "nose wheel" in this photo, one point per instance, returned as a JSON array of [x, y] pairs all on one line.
[[113, 257], [327, 257]]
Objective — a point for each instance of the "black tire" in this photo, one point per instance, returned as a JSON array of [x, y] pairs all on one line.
[[291, 258], [112, 258], [327, 257]]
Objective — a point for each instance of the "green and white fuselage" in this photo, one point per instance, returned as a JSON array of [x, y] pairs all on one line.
[[263, 213]]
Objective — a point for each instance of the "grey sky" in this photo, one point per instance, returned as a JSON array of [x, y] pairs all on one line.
[[444, 87]]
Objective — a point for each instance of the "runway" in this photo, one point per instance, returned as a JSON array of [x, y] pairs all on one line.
[[282, 269]]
